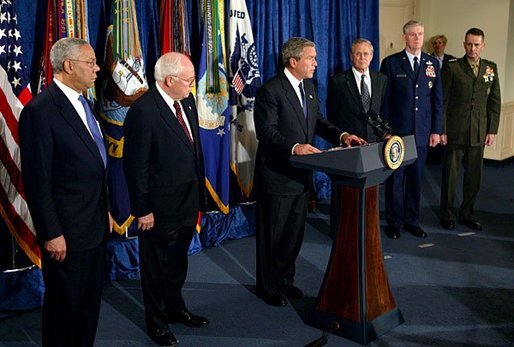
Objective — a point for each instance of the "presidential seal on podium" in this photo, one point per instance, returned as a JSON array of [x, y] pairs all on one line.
[[394, 151]]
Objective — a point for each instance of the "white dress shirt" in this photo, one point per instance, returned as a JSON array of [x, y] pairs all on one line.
[[358, 78], [73, 96]]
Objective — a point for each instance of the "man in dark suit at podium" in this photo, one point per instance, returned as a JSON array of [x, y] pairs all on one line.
[[287, 117], [356, 93], [413, 106]]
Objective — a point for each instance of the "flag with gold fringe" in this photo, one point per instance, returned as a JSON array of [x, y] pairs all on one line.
[[213, 104], [126, 83]]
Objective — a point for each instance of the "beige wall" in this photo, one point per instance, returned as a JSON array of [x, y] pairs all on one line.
[[453, 18]]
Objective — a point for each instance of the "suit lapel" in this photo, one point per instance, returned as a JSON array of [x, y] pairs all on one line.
[[405, 63], [169, 118], [70, 115], [467, 68], [353, 88], [295, 102], [192, 117], [376, 92]]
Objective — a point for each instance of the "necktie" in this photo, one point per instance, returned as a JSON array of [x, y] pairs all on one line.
[[180, 118], [475, 69], [416, 66], [304, 101], [93, 128], [365, 97]]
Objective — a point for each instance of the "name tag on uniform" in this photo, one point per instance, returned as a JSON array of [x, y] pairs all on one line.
[[401, 76]]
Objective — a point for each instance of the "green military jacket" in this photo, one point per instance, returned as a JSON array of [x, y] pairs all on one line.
[[471, 105]]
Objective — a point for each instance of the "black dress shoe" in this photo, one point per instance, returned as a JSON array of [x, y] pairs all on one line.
[[275, 299], [292, 292], [189, 319], [415, 231], [163, 337], [472, 225], [448, 224], [392, 232]]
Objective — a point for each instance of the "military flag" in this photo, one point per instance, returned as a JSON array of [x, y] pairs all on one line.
[[246, 78], [64, 18], [126, 83], [174, 27], [213, 104], [14, 95]]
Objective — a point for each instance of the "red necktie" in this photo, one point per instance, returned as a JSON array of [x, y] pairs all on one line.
[[178, 112]]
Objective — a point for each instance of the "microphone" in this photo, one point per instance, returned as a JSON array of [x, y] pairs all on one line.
[[380, 127], [323, 340]]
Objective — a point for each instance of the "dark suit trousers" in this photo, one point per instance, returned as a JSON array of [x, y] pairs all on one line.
[[163, 262], [280, 229], [472, 159], [403, 192], [73, 293]]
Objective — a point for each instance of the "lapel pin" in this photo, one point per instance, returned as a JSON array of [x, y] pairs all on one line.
[[190, 108], [310, 96]]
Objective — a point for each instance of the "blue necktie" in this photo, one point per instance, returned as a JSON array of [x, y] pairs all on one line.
[[93, 128], [304, 101], [416, 66]]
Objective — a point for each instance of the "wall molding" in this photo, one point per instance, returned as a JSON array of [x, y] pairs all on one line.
[[503, 148]]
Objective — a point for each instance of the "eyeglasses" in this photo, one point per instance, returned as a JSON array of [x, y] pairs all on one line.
[[91, 63], [190, 81]]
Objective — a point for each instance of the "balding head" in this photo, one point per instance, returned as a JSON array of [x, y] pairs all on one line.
[[175, 74]]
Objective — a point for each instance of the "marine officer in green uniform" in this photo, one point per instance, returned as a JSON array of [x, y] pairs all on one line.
[[471, 116]]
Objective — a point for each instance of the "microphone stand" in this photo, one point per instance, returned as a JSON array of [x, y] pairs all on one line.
[[380, 127]]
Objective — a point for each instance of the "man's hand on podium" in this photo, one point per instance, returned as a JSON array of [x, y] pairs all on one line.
[[304, 149], [352, 140]]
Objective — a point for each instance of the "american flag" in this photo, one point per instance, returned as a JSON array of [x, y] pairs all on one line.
[[238, 82], [14, 95]]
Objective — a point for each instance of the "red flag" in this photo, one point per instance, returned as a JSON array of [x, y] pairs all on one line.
[[14, 95], [174, 34]]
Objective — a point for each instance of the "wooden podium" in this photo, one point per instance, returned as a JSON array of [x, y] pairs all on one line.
[[355, 292]]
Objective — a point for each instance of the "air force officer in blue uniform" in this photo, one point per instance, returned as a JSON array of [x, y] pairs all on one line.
[[413, 106]]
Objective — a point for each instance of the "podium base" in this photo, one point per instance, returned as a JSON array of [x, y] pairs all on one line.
[[360, 332]]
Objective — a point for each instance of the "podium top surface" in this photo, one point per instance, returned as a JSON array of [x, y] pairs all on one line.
[[354, 162]]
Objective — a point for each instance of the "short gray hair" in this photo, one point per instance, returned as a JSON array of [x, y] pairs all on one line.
[[64, 49], [410, 24], [293, 48], [360, 41], [168, 64]]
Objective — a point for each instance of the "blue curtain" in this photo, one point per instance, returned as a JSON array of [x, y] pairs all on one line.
[[331, 24]]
